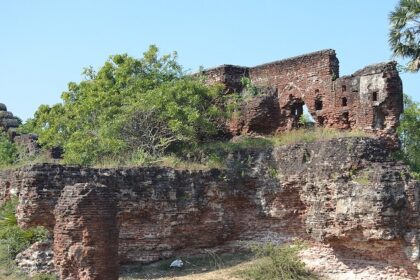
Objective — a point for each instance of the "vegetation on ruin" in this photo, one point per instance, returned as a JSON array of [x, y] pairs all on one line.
[[143, 111], [8, 151], [14, 240], [215, 153], [146, 111], [409, 133], [278, 262], [130, 108], [404, 36], [362, 178]]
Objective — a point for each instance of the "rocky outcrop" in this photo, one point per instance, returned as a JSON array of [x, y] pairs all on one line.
[[27, 142], [8, 122], [86, 233], [38, 258], [348, 193]]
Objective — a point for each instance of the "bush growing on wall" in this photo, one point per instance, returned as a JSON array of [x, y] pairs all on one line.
[[8, 151]]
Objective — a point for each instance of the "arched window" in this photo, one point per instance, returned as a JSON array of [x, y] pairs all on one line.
[[344, 101]]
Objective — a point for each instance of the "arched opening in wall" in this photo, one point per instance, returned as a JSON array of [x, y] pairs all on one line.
[[343, 88], [344, 101], [378, 119], [297, 109], [375, 96], [299, 114]]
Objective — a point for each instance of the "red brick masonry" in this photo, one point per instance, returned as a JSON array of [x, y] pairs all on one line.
[[371, 99]]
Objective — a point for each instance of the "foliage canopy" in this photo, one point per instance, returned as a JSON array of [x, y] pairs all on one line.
[[129, 106], [404, 35], [8, 150], [409, 133]]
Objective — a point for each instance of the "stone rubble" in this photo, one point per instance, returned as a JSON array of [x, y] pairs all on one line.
[[38, 258]]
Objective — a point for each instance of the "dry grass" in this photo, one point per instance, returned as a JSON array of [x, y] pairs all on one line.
[[266, 262], [207, 266], [213, 154], [230, 273], [314, 134]]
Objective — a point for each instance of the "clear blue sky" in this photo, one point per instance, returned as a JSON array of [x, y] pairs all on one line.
[[45, 44]]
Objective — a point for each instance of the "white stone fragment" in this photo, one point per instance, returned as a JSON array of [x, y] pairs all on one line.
[[177, 263]]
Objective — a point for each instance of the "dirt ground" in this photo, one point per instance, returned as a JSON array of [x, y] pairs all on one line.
[[209, 266]]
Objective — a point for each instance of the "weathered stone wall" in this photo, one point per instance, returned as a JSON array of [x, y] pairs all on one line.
[[229, 75], [300, 80], [161, 210], [346, 192], [86, 233], [370, 99]]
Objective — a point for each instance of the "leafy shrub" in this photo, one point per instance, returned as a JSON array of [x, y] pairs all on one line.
[[409, 133], [14, 239], [8, 151], [129, 105], [249, 89], [278, 262], [305, 120]]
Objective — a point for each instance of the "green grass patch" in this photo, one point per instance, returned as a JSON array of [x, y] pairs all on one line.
[[362, 178], [278, 262]]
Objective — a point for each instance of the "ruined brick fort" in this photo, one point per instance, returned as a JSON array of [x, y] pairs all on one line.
[[356, 205], [370, 99]]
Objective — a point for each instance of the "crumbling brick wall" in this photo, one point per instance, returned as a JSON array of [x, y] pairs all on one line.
[[367, 204], [369, 100], [86, 233]]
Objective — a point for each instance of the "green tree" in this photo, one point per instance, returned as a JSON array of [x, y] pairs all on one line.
[[8, 150], [409, 132], [103, 117], [404, 36]]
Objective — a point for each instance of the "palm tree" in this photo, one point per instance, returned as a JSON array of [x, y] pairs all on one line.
[[404, 36]]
